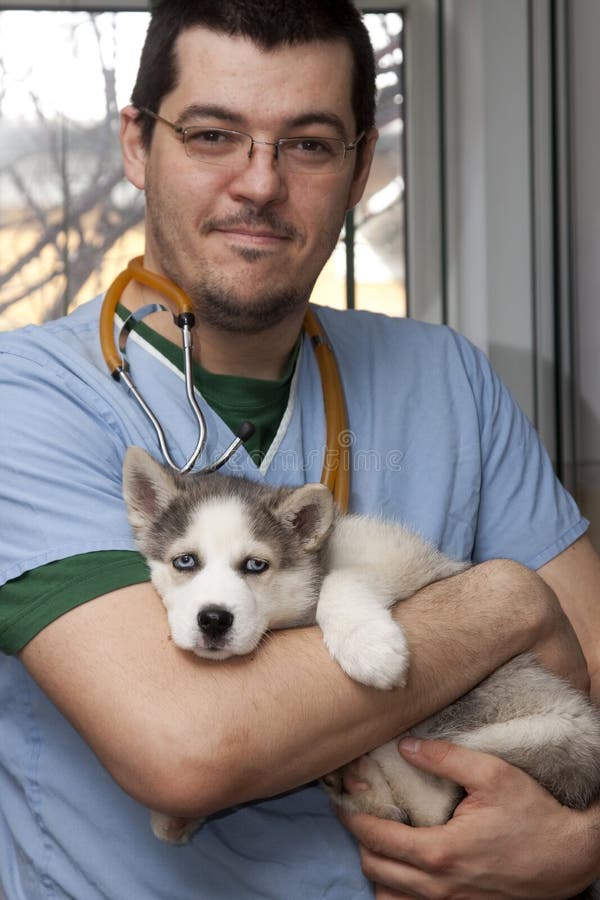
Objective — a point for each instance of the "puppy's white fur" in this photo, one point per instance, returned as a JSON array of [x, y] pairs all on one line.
[[345, 573]]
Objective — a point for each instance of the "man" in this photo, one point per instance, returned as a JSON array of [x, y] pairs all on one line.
[[101, 716]]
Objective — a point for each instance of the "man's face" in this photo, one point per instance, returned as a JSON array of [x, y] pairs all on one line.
[[248, 244]]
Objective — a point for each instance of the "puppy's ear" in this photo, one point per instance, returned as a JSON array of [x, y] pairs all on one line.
[[310, 512], [148, 487]]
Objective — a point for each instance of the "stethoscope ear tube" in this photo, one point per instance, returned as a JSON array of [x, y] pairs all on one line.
[[336, 464], [107, 323], [182, 315]]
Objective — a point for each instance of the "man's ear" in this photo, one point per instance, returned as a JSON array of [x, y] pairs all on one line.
[[148, 488], [362, 169], [132, 147], [310, 512]]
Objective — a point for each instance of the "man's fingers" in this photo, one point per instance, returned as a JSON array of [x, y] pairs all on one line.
[[384, 838], [379, 835], [402, 861]]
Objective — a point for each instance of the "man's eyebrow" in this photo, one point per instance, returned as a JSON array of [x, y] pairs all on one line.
[[317, 117], [198, 111], [195, 112]]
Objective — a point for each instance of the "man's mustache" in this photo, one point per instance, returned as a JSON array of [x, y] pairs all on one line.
[[253, 220]]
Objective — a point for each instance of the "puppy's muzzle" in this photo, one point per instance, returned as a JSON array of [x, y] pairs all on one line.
[[214, 622]]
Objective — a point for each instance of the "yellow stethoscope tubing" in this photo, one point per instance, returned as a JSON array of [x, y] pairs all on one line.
[[135, 271], [336, 464]]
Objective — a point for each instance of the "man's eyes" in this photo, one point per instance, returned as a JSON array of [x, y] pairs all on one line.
[[217, 137], [211, 136], [311, 146]]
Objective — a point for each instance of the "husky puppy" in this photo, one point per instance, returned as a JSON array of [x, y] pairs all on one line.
[[232, 559]]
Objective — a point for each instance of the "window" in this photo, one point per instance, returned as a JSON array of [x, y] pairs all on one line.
[[69, 221], [371, 252]]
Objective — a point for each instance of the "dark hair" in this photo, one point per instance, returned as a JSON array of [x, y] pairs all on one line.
[[268, 23]]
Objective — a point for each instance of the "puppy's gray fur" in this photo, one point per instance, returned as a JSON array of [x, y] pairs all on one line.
[[345, 573]]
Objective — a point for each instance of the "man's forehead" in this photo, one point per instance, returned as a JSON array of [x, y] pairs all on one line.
[[234, 69]]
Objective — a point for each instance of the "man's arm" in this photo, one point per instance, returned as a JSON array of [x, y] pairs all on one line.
[[189, 736], [574, 576]]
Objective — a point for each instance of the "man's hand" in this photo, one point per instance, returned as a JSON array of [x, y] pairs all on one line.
[[509, 838]]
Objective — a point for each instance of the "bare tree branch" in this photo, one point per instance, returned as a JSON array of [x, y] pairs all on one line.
[[38, 213], [64, 185], [31, 288]]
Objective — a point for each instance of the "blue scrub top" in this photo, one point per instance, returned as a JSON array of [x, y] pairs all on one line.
[[436, 441]]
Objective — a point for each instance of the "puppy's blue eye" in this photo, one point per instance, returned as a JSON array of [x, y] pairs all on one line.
[[255, 566], [187, 562]]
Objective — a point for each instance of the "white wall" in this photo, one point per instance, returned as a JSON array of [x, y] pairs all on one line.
[[522, 176], [488, 179]]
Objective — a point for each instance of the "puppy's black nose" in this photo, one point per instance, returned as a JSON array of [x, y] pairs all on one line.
[[214, 621]]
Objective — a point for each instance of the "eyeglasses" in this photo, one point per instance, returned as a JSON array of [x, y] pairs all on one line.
[[222, 147]]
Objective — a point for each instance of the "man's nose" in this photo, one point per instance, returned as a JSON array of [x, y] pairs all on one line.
[[260, 179]]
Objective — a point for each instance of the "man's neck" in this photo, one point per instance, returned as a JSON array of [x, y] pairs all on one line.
[[264, 355]]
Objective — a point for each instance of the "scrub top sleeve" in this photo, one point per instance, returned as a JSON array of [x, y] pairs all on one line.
[[61, 451], [525, 513]]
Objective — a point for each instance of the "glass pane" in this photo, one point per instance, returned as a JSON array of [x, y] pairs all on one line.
[[379, 242], [68, 219]]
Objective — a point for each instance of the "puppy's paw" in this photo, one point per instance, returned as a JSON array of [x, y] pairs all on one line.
[[360, 787], [375, 653], [173, 829]]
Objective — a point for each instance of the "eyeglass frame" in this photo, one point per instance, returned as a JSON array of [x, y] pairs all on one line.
[[182, 129]]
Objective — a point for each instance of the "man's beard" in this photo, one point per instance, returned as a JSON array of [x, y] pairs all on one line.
[[221, 309], [216, 301]]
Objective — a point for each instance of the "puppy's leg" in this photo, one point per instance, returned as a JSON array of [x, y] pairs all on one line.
[[359, 631], [374, 798], [372, 564], [393, 789], [426, 799], [173, 829]]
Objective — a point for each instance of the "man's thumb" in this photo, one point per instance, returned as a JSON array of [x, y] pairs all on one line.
[[469, 768]]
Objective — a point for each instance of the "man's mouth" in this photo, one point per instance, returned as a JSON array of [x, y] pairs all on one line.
[[264, 229], [260, 237]]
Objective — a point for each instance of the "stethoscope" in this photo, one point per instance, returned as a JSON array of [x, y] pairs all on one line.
[[336, 465]]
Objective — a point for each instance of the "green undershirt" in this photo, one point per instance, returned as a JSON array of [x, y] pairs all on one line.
[[233, 398], [38, 597]]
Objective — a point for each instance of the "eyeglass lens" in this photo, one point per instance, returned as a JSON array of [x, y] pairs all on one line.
[[221, 147]]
